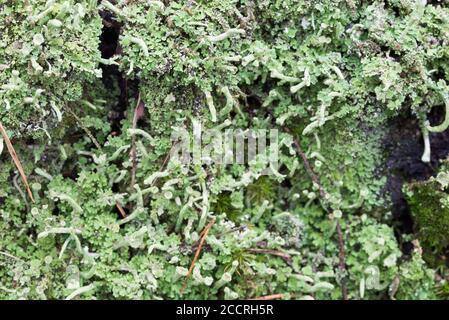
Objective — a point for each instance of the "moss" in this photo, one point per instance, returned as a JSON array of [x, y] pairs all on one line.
[[224, 204], [442, 290], [430, 210], [262, 189]]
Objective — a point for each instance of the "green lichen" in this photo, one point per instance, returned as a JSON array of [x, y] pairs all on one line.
[[48, 51], [328, 75]]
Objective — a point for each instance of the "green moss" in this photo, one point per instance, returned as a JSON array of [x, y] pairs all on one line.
[[262, 189], [430, 210], [224, 205]]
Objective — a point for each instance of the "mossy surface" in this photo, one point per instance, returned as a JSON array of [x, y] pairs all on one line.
[[48, 53], [116, 216], [429, 204]]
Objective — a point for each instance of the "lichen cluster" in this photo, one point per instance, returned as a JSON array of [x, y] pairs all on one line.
[[115, 217]]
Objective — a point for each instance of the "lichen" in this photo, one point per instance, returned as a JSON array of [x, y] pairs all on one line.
[[118, 216]]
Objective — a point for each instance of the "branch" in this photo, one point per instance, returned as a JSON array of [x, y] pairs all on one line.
[[324, 195], [120, 209], [203, 235], [85, 129], [342, 261], [308, 167], [270, 297], [276, 253], [16, 160]]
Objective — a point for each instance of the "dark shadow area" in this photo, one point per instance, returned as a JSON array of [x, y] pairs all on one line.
[[112, 76], [404, 147]]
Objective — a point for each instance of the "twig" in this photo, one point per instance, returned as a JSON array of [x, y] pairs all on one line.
[[86, 130], [16, 160], [167, 157], [308, 167], [276, 253], [235, 229], [342, 261], [324, 195], [197, 253], [270, 297], [120, 209]]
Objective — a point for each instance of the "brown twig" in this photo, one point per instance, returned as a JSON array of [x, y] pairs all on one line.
[[167, 157], [120, 209], [235, 229], [86, 130], [308, 167], [16, 160], [342, 261], [324, 195], [276, 253], [270, 297], [203, 235]]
